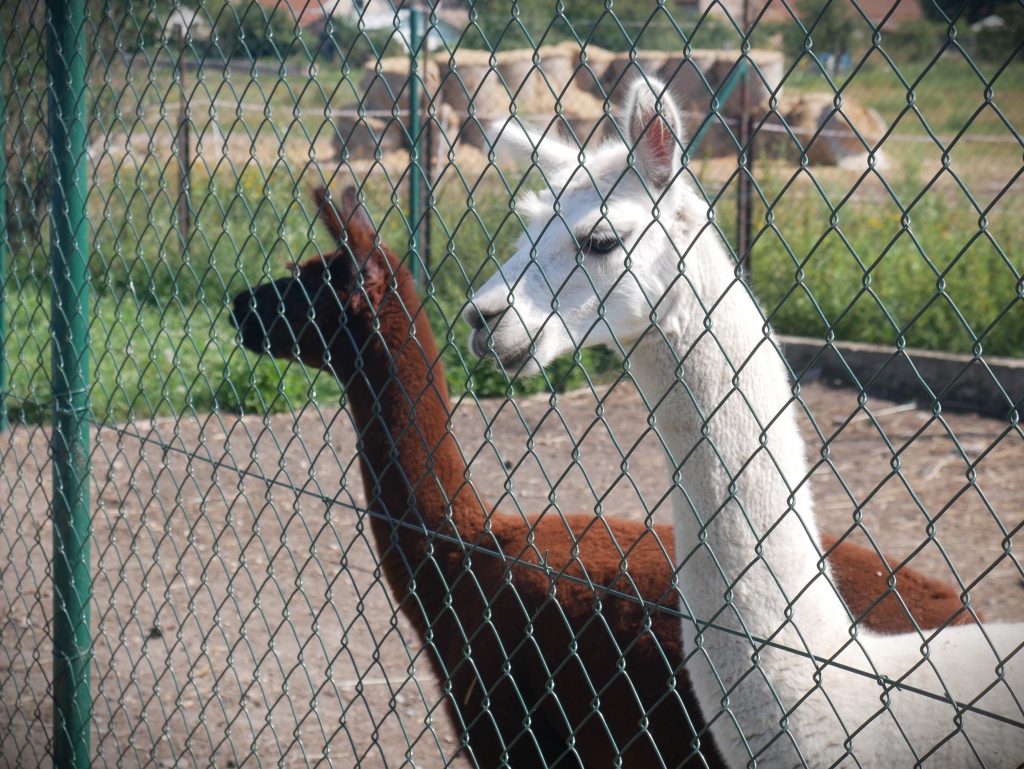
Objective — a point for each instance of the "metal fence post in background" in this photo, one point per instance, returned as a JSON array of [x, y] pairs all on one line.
[[739, 75], [414, 140], [427, 147], [745, 182], [70, 438], [3, 244], [183, 145]]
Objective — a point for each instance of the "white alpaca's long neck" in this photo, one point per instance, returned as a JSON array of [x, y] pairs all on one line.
[[727, 417], [745, 532], [747, 545]]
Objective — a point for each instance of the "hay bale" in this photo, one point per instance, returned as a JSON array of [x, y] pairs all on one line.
[[362, 138], [570, 84], [443, 130], [622, 70], [591, 68], [473, 133], [562, 78], [693, 80], [520, 75], [439, 135], [387, 89], [559, 64], [764, 78], [471, 86], [686, 76], [837, 144]]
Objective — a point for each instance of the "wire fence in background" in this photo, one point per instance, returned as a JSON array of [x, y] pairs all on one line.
[[296, 478]]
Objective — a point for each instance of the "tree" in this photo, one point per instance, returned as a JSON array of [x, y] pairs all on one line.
[[968, 11], [643, 25], [832, 31], [251, 30]]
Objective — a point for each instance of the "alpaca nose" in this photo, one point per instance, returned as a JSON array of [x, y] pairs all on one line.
[[245, 316], [483, 323], [480, 319], [242, 306]]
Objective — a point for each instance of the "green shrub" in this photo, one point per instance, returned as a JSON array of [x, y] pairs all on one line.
[[832, 29], [996, 44], [914, 41], [356, 47], [936, 285], [251, 30]]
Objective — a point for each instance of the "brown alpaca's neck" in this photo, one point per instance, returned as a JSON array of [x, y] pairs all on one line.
[[413, 471]]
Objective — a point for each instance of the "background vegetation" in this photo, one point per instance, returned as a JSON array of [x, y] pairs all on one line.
[[932, 257]]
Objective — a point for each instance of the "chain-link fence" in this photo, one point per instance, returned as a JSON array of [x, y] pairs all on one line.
[[383, 384]]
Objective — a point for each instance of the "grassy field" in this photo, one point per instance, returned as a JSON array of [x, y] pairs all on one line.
[[929, 254], [948, 93], [929, 277], [161, 341]]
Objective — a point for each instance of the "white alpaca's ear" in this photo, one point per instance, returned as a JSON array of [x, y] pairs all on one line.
[[654, 129], [519, 144]]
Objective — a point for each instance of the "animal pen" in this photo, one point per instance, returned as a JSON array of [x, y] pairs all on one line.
[[294, 475]]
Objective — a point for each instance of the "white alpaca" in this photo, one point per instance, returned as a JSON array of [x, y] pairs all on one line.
[[619, 251]]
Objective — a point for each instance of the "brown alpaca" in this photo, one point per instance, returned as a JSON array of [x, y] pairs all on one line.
[[557, 651]]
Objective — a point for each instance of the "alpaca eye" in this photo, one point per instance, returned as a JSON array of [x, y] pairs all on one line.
[[600, 244]]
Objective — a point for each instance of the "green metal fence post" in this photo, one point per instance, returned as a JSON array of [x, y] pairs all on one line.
[[724, 93], [70, 439], [415, 180], [3, 244], [745, 181]]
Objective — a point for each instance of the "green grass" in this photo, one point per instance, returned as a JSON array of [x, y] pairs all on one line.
[[943, 281], [160, 338], [292, 98], [148, 360], [938, 283]]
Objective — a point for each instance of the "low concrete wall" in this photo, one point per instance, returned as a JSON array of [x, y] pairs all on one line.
[[990, 385]]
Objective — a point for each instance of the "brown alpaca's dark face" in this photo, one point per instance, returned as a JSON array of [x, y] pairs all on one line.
[[303, 317]]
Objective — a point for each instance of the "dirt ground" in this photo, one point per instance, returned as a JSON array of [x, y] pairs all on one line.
[[239, 616]]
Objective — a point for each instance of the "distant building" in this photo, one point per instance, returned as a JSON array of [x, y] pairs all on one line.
[[190, 22], [375, 15]]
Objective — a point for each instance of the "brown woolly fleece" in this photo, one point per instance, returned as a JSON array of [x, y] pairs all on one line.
[[575, 661]]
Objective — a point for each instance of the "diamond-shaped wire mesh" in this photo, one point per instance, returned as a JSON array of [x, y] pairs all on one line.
[[644, 390]]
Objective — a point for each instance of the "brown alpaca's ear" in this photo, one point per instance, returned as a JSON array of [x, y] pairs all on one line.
[[369, 252], [375, 279], [329, 213], [351, 225], [360, 256], [359, 280], [362, 235]]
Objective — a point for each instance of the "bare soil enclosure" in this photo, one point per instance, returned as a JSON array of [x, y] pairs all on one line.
[[239, 617]]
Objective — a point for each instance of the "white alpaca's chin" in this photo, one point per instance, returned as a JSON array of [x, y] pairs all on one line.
[[522, 367], [515, 356]]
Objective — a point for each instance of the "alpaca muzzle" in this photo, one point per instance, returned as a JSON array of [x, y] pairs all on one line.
[[263, 317]]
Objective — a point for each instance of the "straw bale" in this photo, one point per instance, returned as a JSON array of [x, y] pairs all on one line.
[[837, 144]]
